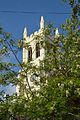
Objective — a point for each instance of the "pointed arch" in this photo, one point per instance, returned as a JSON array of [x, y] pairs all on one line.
[[29, 54], [37, 50]]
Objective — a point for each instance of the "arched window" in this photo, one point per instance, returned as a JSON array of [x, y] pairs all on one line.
[[37, 50], [30, 54]]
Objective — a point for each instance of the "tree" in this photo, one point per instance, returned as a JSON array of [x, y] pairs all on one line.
[[59, 97], [8, 74]]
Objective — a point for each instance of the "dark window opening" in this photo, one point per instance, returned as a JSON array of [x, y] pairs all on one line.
[[30, 54], [37, 50]]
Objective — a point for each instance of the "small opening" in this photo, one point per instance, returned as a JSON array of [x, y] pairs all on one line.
[[37, 50], [30, 54]]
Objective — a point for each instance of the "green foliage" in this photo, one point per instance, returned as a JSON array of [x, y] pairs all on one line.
[[7, 67]]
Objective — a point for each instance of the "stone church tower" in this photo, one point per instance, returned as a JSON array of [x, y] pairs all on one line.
[[35, 52]]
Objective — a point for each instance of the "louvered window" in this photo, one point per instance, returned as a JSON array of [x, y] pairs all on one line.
[[37, 50], [30, 54]]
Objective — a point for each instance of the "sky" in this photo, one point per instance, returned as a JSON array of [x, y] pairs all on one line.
[[15, 22], [17, 14]]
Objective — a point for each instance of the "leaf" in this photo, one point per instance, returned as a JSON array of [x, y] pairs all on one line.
[[7, 35]]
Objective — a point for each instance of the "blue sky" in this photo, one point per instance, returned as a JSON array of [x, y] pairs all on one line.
[[15, 22]]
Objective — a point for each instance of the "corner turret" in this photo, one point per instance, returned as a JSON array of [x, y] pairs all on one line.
[[42, 23], [25, 33], [56, 32], [24, 41]]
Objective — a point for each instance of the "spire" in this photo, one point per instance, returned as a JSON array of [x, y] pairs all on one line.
[[42, 23], [56, 32], [25, 33]]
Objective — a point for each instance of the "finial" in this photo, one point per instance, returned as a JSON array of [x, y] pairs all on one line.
[[42, 23], [56, 32], [25, 33]]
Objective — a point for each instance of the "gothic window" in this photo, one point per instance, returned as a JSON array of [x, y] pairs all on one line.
[[37, 50], [30, 54]]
